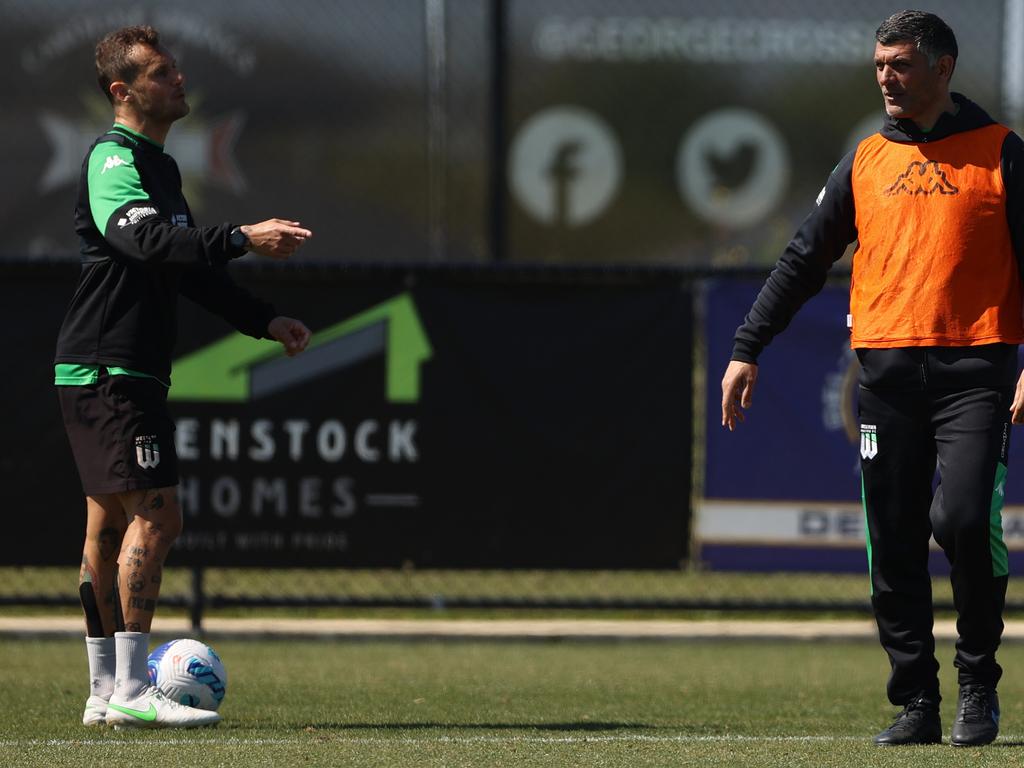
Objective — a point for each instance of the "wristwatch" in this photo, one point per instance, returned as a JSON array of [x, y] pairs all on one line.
[[239, 239]]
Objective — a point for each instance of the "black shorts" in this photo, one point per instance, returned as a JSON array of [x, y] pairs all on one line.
[[121, 434]]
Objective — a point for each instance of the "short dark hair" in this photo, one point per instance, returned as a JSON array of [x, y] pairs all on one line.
[[113, 60], [928, 32]]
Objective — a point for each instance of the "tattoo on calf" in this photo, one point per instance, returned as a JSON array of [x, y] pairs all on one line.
[[86, 574], [135, 556], [143, 604], [133, 627], [136, 582]]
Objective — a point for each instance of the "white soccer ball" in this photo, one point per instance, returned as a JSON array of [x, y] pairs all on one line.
[[189, 672]]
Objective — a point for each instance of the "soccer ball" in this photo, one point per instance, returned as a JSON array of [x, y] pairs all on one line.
[[189, 672]]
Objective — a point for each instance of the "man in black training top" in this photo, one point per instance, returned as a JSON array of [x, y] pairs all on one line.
[[140, 250]]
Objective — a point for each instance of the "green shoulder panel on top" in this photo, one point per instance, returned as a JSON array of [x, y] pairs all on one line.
[[113, 181]]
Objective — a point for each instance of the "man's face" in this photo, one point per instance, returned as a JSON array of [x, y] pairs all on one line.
[[158, 91], [910, 85]]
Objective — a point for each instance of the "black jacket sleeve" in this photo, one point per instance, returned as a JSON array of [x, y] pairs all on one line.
[[213, 289], [1012, 166], [800, 273], [154, 239]]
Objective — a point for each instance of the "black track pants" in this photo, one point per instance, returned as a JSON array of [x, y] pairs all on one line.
[[905, 436]]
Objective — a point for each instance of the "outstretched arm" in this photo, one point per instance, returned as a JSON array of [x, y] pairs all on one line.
[[138, 231]]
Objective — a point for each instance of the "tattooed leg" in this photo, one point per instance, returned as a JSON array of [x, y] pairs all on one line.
[[156, 523], [104, 529]]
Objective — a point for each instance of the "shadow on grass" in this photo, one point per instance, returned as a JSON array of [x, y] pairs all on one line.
[[582, 725]]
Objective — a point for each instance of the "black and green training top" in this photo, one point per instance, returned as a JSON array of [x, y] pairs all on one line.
[[140, 249]]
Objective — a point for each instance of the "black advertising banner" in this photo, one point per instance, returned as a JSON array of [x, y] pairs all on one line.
[[439, 419], [39, 487]]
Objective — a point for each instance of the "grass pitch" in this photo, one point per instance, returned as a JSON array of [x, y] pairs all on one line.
[[313, 703]]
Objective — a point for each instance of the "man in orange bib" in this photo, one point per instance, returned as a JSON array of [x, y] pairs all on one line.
[[935, 201]]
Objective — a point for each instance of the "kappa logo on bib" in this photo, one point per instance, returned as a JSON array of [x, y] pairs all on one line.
[[147, 451], [923, 179]]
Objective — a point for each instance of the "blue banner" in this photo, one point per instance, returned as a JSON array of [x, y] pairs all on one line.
[[798, 441], [782, 491]]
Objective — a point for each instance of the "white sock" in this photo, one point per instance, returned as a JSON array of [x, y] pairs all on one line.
[[132, 672], [102, 660]]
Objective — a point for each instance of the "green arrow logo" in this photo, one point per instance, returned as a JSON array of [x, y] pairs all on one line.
[[238, 368]]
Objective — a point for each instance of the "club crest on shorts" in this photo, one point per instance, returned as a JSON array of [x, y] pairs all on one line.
[[868, 441], [147, 451]]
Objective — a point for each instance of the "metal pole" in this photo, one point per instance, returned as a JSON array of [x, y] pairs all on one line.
[[499, 107], [1013, 64], [198, 601], [437, 126]]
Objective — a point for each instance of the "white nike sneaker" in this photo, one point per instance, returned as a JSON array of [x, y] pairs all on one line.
[[154, 710], [95, 711]]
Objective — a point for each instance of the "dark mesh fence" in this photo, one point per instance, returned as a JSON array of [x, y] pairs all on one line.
[[641, 141], [709, 128], [533, 131], [218, 590]]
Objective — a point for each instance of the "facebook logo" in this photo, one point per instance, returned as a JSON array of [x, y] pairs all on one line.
[[565, 166]]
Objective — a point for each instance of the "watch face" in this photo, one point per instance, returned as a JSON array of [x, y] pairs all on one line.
[[237, 238]]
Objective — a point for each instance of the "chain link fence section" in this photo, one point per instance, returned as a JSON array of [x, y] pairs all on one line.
[[537, 132], [655, 132], [626, 132], [217, 591]]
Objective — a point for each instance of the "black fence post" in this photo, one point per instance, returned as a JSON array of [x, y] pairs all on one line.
[[198, 601], [499, 99]]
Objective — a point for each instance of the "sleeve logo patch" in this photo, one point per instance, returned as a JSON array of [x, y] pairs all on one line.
[[135, 215], [112, 162]]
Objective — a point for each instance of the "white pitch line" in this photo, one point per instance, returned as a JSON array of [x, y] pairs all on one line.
[[379, 741], [153, 742]]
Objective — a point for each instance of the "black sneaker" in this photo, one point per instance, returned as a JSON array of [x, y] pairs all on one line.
[[918, 723], [977, 716]]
